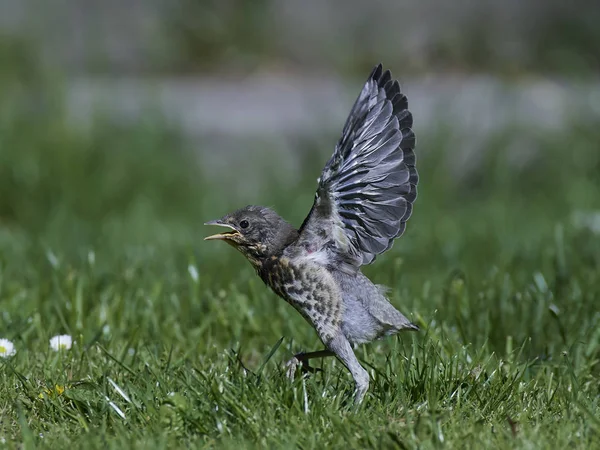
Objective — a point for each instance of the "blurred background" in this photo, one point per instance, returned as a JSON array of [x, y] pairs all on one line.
[[125, 125], [124, 128]]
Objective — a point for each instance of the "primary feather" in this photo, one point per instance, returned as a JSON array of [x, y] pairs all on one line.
[[367, 188]]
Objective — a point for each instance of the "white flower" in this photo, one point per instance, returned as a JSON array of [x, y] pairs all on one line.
[[6, 348], [61, 342]]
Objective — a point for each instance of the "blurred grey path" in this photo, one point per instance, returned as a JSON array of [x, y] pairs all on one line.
[[271, 105]]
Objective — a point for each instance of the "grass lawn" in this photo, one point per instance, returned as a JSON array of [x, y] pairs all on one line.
[[178, 344]]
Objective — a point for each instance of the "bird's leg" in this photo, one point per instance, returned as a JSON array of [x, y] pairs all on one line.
[[301, 359], [343, 351]]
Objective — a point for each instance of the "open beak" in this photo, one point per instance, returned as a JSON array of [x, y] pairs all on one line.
[[221, 236]]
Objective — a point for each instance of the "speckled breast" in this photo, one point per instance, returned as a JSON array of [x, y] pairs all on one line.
[[309, 288]]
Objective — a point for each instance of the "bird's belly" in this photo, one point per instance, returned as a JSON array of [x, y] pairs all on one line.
[[311, 290], [358, 325]]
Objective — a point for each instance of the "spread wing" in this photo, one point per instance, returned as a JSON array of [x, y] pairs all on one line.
[[367, 188]]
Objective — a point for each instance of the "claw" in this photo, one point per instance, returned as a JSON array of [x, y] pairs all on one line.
[[291, 367], [296, 361]]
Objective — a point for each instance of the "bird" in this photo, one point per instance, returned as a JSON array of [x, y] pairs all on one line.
[[364, 197]]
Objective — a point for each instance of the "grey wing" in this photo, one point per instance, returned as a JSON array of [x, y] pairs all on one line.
[[367, 188]]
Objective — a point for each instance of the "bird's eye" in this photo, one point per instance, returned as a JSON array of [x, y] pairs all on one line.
[[244, 224]]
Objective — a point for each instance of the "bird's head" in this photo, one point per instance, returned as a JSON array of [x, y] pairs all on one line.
[[256, 231]]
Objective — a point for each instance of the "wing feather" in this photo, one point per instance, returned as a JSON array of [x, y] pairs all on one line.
[[368, 186]]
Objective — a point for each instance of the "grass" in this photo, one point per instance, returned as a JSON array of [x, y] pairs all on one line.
[[178, 343]]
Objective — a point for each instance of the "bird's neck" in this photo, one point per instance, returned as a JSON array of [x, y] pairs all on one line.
[[261, 255]]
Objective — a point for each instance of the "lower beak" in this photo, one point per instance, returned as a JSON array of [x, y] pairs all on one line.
[[221, 236]]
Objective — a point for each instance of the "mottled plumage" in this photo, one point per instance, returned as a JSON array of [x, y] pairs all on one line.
[[363, 200]]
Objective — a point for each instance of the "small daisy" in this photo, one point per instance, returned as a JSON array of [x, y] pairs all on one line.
[[6, 348], [61, 342]]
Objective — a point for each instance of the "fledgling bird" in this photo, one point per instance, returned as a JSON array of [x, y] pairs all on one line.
[[364, 198]]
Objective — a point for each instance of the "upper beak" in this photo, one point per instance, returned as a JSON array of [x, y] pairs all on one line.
[[221, 236]]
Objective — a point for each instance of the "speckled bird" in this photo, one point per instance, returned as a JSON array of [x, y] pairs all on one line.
[[363, 200]]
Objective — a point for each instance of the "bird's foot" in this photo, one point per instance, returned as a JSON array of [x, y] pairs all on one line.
[[362, 386], [298, 361], [291, 366], [359, 395]]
